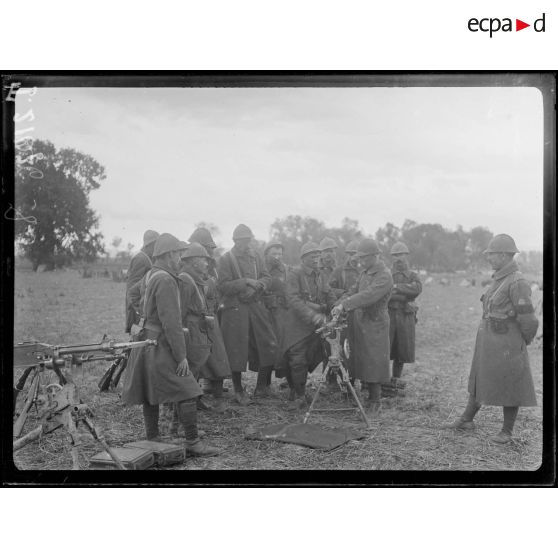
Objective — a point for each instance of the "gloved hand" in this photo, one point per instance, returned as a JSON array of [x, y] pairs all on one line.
[[336, 311]]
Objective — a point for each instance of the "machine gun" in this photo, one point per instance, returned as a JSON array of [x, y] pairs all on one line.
[[331, 332], [59, 404]]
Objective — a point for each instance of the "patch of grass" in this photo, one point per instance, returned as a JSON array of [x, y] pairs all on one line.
[[63, 308]]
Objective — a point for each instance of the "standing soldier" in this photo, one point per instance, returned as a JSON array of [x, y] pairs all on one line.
[[160, 374], [275, 300], [139, 266], [301, 348], [245, 321], [402, 317], [368, 300], [327, 257], [206, 350], [500, 372], [341, 281]]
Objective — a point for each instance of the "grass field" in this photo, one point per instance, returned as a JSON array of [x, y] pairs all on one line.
[[63, 308]]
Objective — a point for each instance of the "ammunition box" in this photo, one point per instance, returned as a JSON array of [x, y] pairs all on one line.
[[165, 454], [135, 459]]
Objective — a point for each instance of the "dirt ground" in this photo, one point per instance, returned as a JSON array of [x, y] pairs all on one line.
[[63, 308]]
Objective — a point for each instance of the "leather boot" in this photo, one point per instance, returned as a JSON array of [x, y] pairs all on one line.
[[188, 415], [151, 420], [197, 448], [459, 424]]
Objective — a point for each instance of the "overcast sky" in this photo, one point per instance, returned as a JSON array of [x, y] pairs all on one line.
[[174, 157]]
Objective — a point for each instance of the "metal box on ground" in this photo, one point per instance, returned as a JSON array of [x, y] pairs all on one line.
[[135, 459], [165, 454]]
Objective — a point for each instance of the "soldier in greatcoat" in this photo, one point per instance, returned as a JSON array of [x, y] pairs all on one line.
[[301, 348], [245, 321], [275, 300], [160, 374], [402, 317], [205, 346], [368, 301], [500, 372], [139, 266], [342, 280]]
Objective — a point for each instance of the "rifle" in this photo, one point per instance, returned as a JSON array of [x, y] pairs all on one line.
[[113, 373]]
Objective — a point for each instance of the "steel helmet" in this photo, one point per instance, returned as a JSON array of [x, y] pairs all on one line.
[[202, 236], [167, 243], [502, 243], [327, 242], [352, 247], [195, 250], [242, 231], [399, 248], [149, 237], [273, 243], [367, 247], [308, 248]]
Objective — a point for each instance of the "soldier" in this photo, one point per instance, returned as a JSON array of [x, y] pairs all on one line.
[[500, 372], [402, 317], [341, 281], [275, 300], [327, 257], [245, 322], [368, 300], [139, 266], [309, 300], [161, 374], [206, 350]]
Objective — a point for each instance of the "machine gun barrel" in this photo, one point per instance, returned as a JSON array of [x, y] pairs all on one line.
[[104, 346]]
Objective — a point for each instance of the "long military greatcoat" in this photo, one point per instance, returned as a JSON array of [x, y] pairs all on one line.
[[402, 314], [205, 347], [151, 375], [245, 321], [139, 266], [368, 300], [500, 371], [307, 295]]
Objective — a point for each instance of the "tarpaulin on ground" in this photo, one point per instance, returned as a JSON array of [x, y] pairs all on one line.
[[309, 435]]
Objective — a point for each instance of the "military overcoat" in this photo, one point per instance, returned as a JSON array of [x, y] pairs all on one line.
[[139, 266], [402, 314], [205, 347], [368, 301], [307, 296], [500, 371], [245, 322], [151, 371]]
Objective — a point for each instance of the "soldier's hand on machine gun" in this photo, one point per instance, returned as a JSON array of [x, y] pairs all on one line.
[[254, 283], [183, 369], [336, 311]]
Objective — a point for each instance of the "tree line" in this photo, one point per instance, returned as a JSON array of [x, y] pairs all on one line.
[[64, 229]]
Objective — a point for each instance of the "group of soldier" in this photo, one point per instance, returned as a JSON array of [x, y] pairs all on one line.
[[217, 318]]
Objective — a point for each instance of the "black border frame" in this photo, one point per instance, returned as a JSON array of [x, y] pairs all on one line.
[[544, 81]]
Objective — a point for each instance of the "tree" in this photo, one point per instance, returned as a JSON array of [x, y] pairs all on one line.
[[56, 194], [479, 237]]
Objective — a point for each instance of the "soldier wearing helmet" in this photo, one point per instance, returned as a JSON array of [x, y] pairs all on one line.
[[402, 317], [245, 322], [328, 260], [161, 374], [139, 266], [500, 372], [368, 302], [207, 356], [308, 300]]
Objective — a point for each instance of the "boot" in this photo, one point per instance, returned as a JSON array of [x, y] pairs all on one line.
[[188, 415], [263, 382], [240, 396], [505, 435], [151, 420], [202, 405], [300, 403], [197, 448], [459, 424], [373, 404], [501, 438]]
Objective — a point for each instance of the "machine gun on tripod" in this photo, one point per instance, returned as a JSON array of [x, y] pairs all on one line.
[[331, 332], [59, 404]]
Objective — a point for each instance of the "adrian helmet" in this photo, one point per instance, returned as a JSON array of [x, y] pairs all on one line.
[[273, 243], [202, 236], [502, 243], [308, 248], [399, 248], [195, 250], [352, 247], [327, 243], [149, 237], [167, 243], [368, 247], [242, 231]]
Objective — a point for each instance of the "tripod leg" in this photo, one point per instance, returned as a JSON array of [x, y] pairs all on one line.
[[360, 408], [31, 398], [315, 398], [28, 438], [103, 443]]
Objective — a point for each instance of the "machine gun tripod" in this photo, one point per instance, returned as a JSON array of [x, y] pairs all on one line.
[[59, 404], [331, 332]]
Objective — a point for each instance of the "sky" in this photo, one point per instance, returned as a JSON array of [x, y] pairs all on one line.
[[177, 156]]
